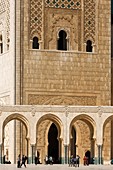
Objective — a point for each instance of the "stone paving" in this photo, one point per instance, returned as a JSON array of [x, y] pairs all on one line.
[[56, 167]]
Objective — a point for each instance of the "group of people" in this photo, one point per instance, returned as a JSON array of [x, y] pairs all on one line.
[[48, 160], [22, 161], [74, 161]]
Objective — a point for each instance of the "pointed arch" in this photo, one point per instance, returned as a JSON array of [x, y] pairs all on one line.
[[89, 47], [35, 44], [62, 40], [1, 44]]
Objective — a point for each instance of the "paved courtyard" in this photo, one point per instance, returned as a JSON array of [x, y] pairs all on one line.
[[57, 167]]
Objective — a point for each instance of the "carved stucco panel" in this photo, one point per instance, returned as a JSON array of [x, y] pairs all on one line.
[[61, 100]]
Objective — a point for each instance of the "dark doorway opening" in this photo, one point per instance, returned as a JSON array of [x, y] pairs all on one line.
[[35, 43], [62, 41], [89, 46], [73, 142], [53, 144]]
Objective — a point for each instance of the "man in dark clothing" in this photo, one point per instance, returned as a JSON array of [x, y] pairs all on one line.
[[36, 160], [18, 162], [23, 161], [78, 160]]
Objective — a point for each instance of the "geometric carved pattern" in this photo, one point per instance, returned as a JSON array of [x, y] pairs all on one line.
[[41, 134], [8, 19], [70, 4], [61, 100], [6, 140], [2, 6], [85, 134], [5, 7], [36, 18], [89, 20]]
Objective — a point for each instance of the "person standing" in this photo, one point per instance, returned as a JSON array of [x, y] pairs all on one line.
[[46, 159], [36, 160], [78, 160], [23, 161], [51, 160], [18, 162]]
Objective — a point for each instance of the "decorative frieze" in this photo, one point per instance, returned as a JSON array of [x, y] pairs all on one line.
[[61, 100], [70, 4]]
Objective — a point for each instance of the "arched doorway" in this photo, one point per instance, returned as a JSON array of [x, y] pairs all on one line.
[[15, 138], [62, 41], [107, 147], [53, 144], [82, 133], [49, 138]]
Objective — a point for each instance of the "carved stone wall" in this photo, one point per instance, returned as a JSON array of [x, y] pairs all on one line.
[[8, 20], [69, 4], [36, 18], [53, 14], [67, 21], [89, 20], [61, 100], [5, 22], [2, 6]]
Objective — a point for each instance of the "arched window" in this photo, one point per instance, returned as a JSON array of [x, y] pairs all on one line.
[[62, 41], [89, 46], [1, 45], [35, 44], [8, 41]]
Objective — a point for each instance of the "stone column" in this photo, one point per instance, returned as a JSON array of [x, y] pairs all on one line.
[[32, 153], [66, 154], [0, 153], [99, 154]]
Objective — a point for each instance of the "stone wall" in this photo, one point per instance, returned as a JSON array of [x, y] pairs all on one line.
[[66, 77], [71, 77]]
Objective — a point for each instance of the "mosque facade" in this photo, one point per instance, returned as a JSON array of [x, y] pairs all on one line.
[[56, 85]]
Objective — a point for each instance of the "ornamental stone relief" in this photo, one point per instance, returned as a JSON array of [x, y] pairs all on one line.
[[89, 20], [70, 4], [42, 132], [5, 7], [61, 100], [2, 6], [85, 135], [37, 8], [36, 18], [8, 20]]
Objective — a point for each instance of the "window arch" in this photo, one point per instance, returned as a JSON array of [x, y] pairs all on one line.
[[8, 41], [89, 46], [1, 45], [62, 40], [35, 44]]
